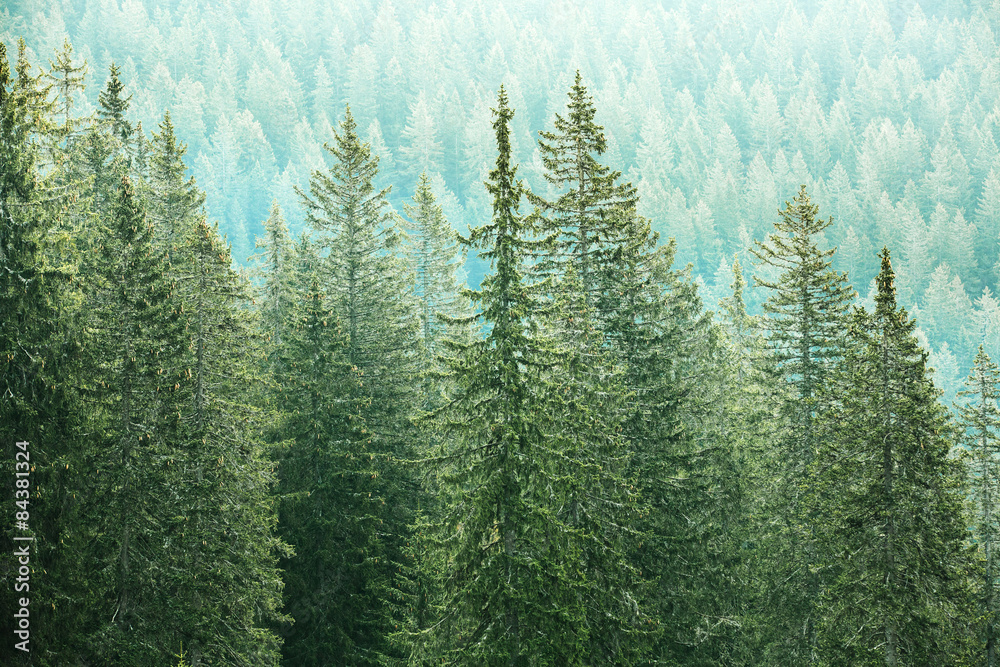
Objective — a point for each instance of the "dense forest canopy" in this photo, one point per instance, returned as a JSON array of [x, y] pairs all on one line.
[[398, 332]]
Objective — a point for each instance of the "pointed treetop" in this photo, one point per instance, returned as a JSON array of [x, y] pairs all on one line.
[[67, 78], [886, 284], [348, 126], [113, 105], [735, 306]]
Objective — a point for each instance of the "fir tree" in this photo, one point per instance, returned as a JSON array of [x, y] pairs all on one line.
[[276, 266], [333, 502], [981, 419], [134, 340], [804, 320], [521, 583], [174, 199], [587, 216], [370, 290], [38, 347], [444, 311], [889, 495], [66, 78], [113, 106]]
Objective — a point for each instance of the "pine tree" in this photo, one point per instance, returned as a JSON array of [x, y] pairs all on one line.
[[134, 334], [223, 500], [890, 498], [66, 78], [586, 217], [333, 502], [806, 307], [532, 564], [981, 421], [367, 280], [275, 267], [370, 290], [444, 311], [804, 320], [113, 107], [174, 201], [38, 347]]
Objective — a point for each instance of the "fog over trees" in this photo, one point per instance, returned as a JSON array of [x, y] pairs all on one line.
[[523, 333]]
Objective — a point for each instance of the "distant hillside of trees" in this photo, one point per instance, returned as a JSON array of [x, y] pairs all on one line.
[[717, 113]]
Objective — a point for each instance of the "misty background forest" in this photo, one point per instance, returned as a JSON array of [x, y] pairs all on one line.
[[523, 333]]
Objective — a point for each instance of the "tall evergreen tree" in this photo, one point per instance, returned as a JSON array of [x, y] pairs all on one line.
[[805, 323], [589, 212], [174, 199], [370, 290], [444, 311], [275, 268], [981, 419], [333, 500], [529, 513], [134, 341], [113, 105], [38, 346], [890, 496], [67, 78]]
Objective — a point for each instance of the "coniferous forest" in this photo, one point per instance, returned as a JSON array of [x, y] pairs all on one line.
[[527, 333]]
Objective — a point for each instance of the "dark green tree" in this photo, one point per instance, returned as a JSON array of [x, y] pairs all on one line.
[[134, 335], [532, 565], [444, 311], [890, 495], [588, 215], [175, 201], [113, 106], [805, 314], [224, 512], [38, 348], [67, 78], [981, 419], [333, 503], [369, 287]]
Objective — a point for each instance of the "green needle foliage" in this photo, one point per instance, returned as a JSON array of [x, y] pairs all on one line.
[[66, 78], [175, 201], [805, 310], [113, 105], [588, 217], [333, 500], [889, 495], [804, 318], [437, 257], [134, 339], [981, 420], [528, 520], [370, 290]]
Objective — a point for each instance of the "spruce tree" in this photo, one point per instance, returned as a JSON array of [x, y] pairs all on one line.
[[223, 508], [588, 215], [805, 323], [437, 257], [275, 268], [174, 199], [38, 348], [113, 106], [806, 308], [981, 420], [890, 498], [370, 290], [533, 569], [333, 502], [67, 78], [134, 343]]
